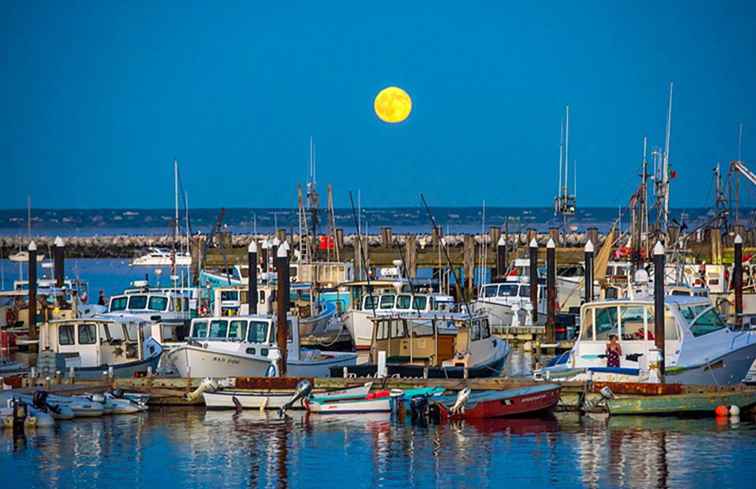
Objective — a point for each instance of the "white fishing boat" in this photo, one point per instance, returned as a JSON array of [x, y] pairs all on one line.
[[700, 348], [23, 257], [238, 399], [161, 257], [243, 346], [92, 347]]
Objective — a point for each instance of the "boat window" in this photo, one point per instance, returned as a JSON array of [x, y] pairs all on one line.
[[690, 312], [387, 301], [586, 326], [606, 323], [199, 329], [66, 335], [218, 328], [403, 301], [670, 329], [237, 330], [158, 303], [475, 330], [490, 290], [118, 303], [382, 332], [229, 295], [420, 302], [87, 334], [525, 291], [257, 332], [508, 290], [370, 303], [137, 302], [631, 318], [274, 333], [707, 322], [485, 329], [398, 328]]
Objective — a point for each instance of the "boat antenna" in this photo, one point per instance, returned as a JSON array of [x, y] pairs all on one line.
[[457, 278], [363, 263], [740, 142]]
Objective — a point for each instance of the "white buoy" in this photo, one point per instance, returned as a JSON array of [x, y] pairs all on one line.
[[734, 411]]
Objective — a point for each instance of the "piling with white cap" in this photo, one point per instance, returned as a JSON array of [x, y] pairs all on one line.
[[551, 295], [282, 303], [501, 258], [58, 261], [659, 264], [32, 249], [252, 277], [737, 280], [588, 273], [533, 255]]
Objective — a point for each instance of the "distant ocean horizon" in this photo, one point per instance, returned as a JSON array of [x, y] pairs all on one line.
[[135, 221]]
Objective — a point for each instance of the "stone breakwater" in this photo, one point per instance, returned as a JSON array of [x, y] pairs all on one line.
[[131, 246]]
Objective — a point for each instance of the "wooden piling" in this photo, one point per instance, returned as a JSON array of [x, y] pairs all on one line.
[[533, 255], [659, 263], [593, 236], [501, 259], [32, 274], [252, 275], [282, 303], [588, 273], [387, 237], [339, 241], [532, 234], [737, 277], [551, 291], [410, 248], [469, 265], [554, 235], [58, 262]]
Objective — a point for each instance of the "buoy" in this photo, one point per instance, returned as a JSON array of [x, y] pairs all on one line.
[[734, 411], [721, 411]]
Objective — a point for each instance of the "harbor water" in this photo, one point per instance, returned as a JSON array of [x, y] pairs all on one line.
[[192, 448]]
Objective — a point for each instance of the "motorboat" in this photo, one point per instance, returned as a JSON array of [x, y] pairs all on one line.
[[433, 345], [161, 257], [377, 402], [700, 347], [268, 399], [94, 347], [244, 346]]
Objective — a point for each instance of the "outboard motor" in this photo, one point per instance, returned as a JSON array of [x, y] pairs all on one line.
[[424, 410], [39, 399], [117, 393], [304, 388]]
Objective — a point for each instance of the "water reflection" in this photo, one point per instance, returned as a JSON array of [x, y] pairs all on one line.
[[193, 448]]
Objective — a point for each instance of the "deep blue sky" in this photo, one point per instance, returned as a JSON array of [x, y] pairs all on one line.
[[97, 98]]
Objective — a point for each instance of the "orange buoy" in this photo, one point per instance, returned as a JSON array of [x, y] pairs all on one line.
[[722, 411]]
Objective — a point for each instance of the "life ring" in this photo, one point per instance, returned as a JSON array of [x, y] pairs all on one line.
[[203, 310]]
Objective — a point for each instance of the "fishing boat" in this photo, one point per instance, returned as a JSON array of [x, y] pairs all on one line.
[[96, 346], [521, 401], [700, 348], [160, 257], [434, 345], [240, 399], [243, 346]]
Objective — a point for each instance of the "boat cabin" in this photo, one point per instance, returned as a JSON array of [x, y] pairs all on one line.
[[252, 335], [432, 339], [234, 301], [94, 342]]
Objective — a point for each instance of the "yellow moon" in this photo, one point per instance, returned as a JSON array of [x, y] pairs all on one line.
[[392, 105]]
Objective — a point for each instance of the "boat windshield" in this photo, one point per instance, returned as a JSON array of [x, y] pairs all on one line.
[[137, 302], [490, 290], [158, 303], [237, 330], [508, 290], [420, 303], [403, 301], [118, 303], [218, 328], [370, 303], [387, 301], [257, 332], [525, 291], [707, 322], [199, 329]]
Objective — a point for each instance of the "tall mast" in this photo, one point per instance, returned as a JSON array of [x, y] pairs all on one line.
[[558, 203], [566, 150], [665, 162]]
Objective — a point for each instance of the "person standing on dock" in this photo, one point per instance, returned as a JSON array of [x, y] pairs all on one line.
[[613, 352]]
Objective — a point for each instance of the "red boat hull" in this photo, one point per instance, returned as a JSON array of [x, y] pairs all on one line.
[[491, 406]]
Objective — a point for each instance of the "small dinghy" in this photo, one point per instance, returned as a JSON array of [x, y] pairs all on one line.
[[376, 402], [236, 399]]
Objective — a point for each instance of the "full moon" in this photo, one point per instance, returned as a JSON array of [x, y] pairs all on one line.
[[392, 105]]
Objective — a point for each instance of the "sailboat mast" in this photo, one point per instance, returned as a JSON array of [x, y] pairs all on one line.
[[566, 149], [558, 204]]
